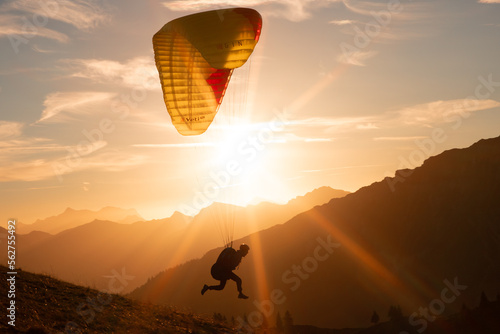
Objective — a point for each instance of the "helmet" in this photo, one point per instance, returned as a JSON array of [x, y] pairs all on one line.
[[244, 247]]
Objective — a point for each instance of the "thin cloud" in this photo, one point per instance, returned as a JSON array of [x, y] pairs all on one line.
[[27, 146], [113, 161], [290, 137], [13, 27], [387, 11], [82, 14], [21, 20], [52, 168], [337, 122], [292, 10], [425, 114], [442, 111], [342, 22], [318, 140], [367, 126], [26, 170], [338, 168], [47, 187], [41, 50], [10, 129], [139, 72], [176, 145], [396, 138], [70, 102], [383, 22]]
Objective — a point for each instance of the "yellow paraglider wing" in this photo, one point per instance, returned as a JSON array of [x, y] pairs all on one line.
[[195, 56]]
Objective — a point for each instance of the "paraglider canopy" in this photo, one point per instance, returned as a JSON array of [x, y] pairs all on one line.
[[195, 56]]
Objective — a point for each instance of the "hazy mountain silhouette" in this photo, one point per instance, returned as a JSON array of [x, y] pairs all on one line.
[[87, 253], [71, 218], [254, 218], [401, 241]]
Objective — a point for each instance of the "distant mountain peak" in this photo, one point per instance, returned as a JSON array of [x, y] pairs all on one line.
[[322, 194], [70, 218], [179, 215]]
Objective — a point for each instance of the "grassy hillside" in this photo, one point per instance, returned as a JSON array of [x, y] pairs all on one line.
[[47, 305]]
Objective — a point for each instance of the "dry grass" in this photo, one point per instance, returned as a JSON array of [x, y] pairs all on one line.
[[47, 305]]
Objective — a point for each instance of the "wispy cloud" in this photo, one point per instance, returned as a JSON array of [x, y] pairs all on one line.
[[342, 22], [296, 10], [82, 14], [338, 168], [41, 50], [34, 169], [427, 114], [390, 10], [113, 161], [26, 170], [70, 103], [442, 111], [338, 123], [381, 22], [137, 72], [24, 158], [13, 26], [9, 129], [22, 19], [176, 145], [318, 140], [399, 138]]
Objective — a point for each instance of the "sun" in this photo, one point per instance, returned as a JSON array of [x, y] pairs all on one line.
[[239, 161]]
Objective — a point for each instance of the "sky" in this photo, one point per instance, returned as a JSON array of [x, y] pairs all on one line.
[[337, 93]]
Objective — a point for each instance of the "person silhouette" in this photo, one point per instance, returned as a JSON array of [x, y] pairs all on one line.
[[222, 270]]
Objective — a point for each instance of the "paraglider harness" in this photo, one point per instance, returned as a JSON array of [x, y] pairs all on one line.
[[225, 264]]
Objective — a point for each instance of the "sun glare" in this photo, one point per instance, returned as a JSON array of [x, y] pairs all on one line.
[[239, 160]]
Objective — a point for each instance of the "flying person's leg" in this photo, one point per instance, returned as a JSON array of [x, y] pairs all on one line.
[[221, 286], [237, 279]]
